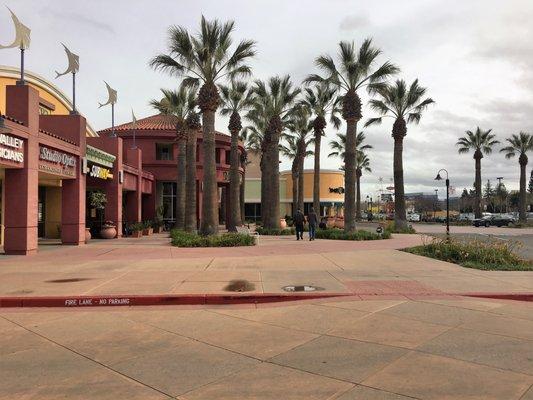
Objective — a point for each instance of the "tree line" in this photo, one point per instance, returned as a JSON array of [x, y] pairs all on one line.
[[282, 118]]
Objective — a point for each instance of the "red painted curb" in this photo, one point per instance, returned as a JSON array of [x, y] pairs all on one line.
[[502, 296], [158, 300]]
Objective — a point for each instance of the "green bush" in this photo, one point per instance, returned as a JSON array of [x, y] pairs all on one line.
[[391, 228], [474, 254], [136, 227], [186, 239], [275, 232], [339, 234]]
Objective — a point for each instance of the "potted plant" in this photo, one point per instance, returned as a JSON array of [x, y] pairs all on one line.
[[97, 200], [136, 229], [282, 223], [147, 229], [158, 226], [109, 230]]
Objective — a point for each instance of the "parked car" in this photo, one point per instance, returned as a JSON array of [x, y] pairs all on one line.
[[413, 217], [467, 217], [493, 220]]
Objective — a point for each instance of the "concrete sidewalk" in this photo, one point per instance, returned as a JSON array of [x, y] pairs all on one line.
[[153, 267], [384, 349]]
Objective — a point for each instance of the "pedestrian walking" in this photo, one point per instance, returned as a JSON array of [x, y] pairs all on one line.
[[299, 221], [312, 220]]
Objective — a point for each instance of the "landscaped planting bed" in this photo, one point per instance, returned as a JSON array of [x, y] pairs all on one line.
[[187, 239]]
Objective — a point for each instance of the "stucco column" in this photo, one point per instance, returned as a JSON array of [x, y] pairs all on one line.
[[73, 191], [134, 158], [21, 185]]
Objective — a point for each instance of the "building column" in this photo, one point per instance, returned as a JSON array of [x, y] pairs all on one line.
[[73, 191], [21, 185]]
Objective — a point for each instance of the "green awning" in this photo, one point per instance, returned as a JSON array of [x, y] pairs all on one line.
[[100, 157]]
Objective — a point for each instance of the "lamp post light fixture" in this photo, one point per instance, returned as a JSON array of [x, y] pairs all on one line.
[[439, 178]]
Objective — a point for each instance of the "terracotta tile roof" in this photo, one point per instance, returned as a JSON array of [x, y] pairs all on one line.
[[158, 122]]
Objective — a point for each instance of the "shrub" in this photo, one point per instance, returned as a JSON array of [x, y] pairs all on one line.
[[474, 254], [136, 227], [339, 234], [275, 232], [186, 239], [391, 228]]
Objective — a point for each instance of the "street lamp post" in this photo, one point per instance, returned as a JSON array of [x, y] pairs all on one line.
[[439, 178], [500, 178]]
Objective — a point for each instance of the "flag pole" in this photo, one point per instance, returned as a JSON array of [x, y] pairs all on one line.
[[74, 111], [21, 82], [113, 120]]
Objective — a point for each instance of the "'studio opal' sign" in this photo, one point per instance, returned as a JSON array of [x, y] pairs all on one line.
[[56, 162], [11, 148]]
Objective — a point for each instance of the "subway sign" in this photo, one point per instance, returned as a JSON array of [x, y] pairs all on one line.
[[11, 148], [100, 172]]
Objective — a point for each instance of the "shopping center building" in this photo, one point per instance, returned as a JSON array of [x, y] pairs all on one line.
[[52, 160]]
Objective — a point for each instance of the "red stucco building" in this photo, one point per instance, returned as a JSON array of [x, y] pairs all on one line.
[[155, 137]]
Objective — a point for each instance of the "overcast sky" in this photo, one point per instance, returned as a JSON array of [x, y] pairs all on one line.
[[475, 57]]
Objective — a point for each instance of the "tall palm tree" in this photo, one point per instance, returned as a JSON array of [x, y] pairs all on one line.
[[520, 144], [339, 145], [355, 70], [194, 126], [273, 101], [203, 60], [322, 100], [339, 149], [405, 105], [235, 100], [251, 144], [300, 126], [362, 163], [290, 150], [179, 103], [481, 142]]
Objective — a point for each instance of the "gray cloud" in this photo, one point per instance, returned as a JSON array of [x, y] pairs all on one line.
[[353, 22]]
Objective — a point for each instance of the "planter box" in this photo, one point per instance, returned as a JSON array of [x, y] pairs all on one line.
[[136, 234], [159, 229], [148, 231]]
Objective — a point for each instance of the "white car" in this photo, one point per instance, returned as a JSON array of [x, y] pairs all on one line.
[[412, 217]]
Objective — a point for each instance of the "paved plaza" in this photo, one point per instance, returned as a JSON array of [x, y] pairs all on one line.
[[401, 328]]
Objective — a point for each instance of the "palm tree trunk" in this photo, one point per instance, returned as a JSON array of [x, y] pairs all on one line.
[[316, 173], [209, 220], [294, 189], [180, 186], [272, 219], [265, 186], [477, 184], [301, 181], [400, 219], [191, 223], [358, 204], [523, 193], [349, 165], [234, 192], [241, 195]]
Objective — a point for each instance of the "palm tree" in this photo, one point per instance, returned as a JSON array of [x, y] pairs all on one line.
[[251, 144], [203, 60], [235, 100], [339, 147], [194, 126], [356, 70], [300, 126], [362, 163], [290, 150], [321, 100], [404, 105], [179, 103], [273, 101], [481, 142], [520, 144]]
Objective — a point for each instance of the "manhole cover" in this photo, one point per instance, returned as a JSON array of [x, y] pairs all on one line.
[[239, 285], [301, 288], [68, 280]]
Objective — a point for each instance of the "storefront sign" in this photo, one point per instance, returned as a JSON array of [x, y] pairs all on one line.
[[100, 172], [56, 162], [11, 148]]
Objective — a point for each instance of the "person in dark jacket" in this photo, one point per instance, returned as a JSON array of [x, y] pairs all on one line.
[[299, 221], [312, 220]]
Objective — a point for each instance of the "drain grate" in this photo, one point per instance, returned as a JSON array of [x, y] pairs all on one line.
[[240, 285], [68, 280], [301, 288]]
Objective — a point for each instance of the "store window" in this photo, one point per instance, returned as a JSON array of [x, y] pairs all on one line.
[[168, 200], [163, 151], [228, 157], [217, 156], [252, 212]]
